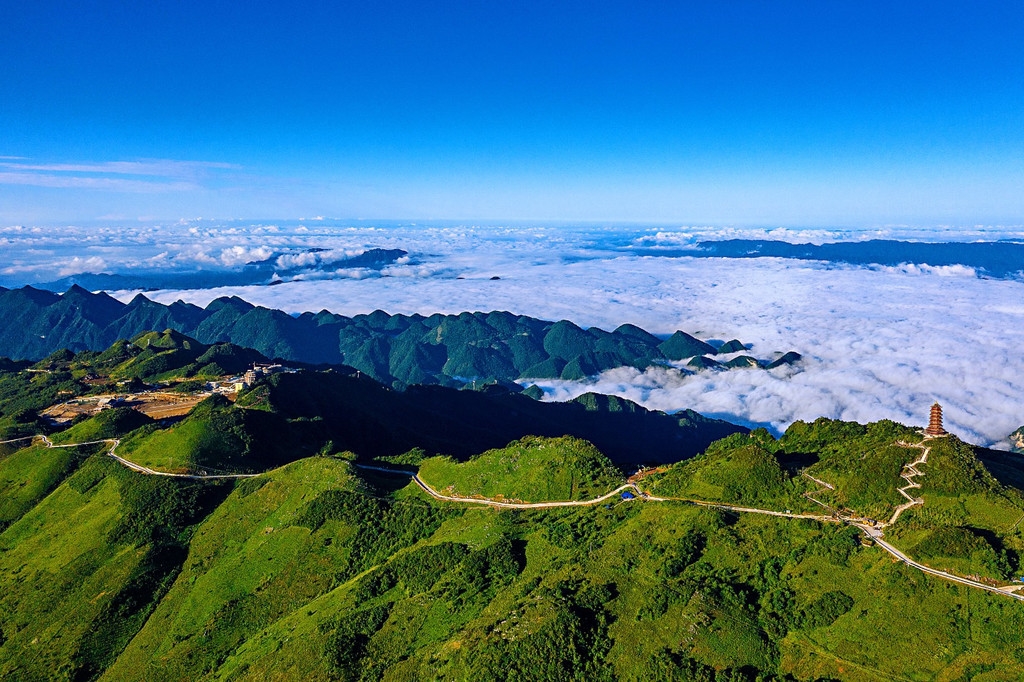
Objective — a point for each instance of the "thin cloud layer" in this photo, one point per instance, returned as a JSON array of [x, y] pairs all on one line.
[[140, 176]]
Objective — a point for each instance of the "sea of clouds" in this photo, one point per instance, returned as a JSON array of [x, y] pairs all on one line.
[[878, 342]]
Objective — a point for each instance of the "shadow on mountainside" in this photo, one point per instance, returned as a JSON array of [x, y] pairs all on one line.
[[363, 416]]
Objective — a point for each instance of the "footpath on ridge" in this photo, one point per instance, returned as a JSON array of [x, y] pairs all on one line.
[[871, 529], [114, 442]]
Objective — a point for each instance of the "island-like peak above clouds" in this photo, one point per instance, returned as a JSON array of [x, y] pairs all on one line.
[[455, 350], [276, 268]]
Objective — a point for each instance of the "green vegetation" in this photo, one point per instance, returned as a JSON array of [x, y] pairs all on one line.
[[743, 470], [30, 474], [531, 469], [300, 413], [111, 423], [863, 463], [312, 572], [970, 522], [84, 566], [24, 394], [398, 350], [319, 570], [170, 354], [361, 416], [215, 436], [27, 389]]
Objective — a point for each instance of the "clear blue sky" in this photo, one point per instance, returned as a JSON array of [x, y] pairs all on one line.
[[795, 113]]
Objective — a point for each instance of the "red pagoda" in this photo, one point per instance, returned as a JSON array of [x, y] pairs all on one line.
[[935, 422]]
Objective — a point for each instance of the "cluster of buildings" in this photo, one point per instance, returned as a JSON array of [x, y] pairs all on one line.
[[257, 372]]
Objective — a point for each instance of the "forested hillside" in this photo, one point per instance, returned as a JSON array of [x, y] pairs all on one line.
[[398, 350]]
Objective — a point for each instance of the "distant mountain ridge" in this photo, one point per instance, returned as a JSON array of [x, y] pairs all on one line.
[[993, 259], [400, 350], [271, 270]]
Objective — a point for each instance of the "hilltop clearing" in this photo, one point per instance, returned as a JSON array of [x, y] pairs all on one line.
[[531, 469], [745, 470]]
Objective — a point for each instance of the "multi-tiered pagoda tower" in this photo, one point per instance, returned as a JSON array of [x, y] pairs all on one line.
[[935, 422]]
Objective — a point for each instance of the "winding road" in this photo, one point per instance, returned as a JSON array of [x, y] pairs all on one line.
[[114, 442], [874, 532]]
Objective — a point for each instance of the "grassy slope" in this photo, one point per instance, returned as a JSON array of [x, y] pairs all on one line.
[[82, 568], [59, 572], [707, 611], [531, 469], [306, 574], [970, 522], [862, 462], [216, 436], [105, 424], [28, 475], [242, 548], [251, 562], [175, 449], [740, 470]]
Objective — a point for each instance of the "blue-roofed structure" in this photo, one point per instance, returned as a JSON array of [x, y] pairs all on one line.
[[627, 495]]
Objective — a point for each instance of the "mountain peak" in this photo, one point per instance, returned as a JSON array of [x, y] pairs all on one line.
[[681, 345], [139, 300], [230, 302], [77, 290]]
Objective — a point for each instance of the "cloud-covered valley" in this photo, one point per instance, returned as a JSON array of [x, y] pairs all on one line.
[[878, 341]]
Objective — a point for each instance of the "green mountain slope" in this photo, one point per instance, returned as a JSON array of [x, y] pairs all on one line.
[[397, 350], [310, 572], [970, 521], [956, 516], [371, 420], [217, 437], [83, 568], [290, 415], [863, 463], [531, 469], [151, 357], [743, 470]]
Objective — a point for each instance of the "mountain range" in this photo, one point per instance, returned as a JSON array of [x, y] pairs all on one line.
[[322, 525], [398, 350], [301, 412]]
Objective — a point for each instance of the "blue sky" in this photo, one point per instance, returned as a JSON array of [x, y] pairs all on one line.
[[758, 113]]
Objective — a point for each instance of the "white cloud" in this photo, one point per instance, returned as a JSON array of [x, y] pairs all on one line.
[[77, 266], [688, 237], [137, 176], [878, 343], [240, 255], [308, 259], [925, 269], [103, 183]]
